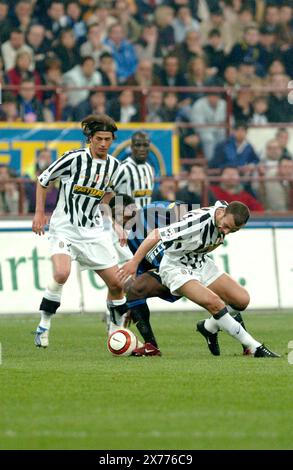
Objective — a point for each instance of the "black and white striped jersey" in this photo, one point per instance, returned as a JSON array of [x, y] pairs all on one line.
[[187, 242], [136, 180], [83, 183]]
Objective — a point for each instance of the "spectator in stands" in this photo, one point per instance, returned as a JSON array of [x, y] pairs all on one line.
[[55, 20], [231, 77], [8, 108], [280, 110], [170, 107], [102, 16], [282, 136], [247, 74], [40, 46], [278, 194], [273, 153], [123, 53], [24, 70], [44, 159], [148, 46], [164, 17], [184, 22], [235, 151], [275, 68], [52, 77], [107, 70], [5, 22], [94, 46], [22, 15], [171, 75], [210, 109], [130, 25], [166, 190], [94, 104], [144, 75], [249, 49], [242, 105], [285, 25], [189, 49], [125, 109], [214, 52], [260, 111], [154, 103], [83, 75], [230, 189], [29, 107], [66, 50], [9, 195], [197, 74], [193, 191], [75, 21], [216, 21], [268, 41], [14, 45]]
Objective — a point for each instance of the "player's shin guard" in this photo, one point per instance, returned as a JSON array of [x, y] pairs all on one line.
[[117, 309], [50, 303], [140, 315]]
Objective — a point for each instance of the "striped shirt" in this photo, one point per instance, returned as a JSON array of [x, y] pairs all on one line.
[[136, 180], [187, 242], [83, 183]]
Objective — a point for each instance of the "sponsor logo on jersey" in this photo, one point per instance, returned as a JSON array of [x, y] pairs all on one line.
[[142, 193], [86, 191]]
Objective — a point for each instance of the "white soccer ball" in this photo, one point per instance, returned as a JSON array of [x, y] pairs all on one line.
[[122, 342]]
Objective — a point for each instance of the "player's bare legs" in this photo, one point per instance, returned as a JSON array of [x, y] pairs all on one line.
[[116, 301], [52, 297], [208, 299]]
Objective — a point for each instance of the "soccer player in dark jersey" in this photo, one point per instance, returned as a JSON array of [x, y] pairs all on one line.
[[76, 226], [187, 270]]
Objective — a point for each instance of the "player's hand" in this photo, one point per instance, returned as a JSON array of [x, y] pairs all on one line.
[[39, 222], [128, 270]]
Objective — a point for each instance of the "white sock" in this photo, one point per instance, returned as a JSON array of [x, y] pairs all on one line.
[[231, 326], [45, 320], [211, 325]]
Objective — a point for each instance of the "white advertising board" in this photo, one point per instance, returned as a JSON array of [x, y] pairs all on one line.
[[248, 256]]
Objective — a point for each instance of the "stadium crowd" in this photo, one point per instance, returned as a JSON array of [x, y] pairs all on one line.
[[240, 45]]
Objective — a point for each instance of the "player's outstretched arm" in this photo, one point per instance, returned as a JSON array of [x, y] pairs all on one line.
[[40, 219], [130, 268]]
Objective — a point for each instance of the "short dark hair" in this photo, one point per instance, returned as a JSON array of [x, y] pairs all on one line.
[[138, 134], [239, 211], [125, 199], [97, 122]]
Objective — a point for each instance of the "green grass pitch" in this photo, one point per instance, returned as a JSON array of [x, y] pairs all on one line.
[[75, 395]]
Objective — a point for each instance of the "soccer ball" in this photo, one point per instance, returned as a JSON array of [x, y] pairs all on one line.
[[122, 342]]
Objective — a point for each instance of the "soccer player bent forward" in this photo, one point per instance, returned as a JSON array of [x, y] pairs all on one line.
[[187, 270]]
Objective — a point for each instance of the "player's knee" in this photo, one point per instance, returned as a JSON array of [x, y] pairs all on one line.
[[242, 301], [214, 304], [137, 290], [115, 286], [61, 276]]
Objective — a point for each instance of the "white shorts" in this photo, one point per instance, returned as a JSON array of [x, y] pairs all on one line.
[[175, 276], [92, 256], [123, 252]]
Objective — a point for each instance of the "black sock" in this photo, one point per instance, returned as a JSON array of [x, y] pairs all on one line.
[[140, 315]]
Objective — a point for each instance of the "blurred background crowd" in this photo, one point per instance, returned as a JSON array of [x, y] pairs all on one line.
[[242, 50]]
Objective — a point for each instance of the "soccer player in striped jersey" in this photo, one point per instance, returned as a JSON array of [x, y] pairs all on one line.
[[136, 176], [76, 226], [187, 270]]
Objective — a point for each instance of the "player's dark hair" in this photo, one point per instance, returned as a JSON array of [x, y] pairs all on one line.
[[239, 211], [121, 198], [138, 134], [97, 122]]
